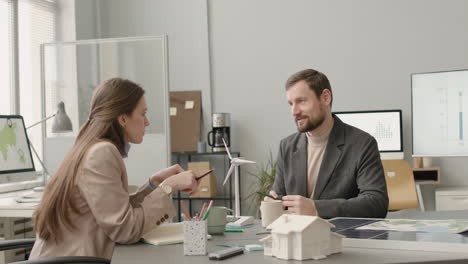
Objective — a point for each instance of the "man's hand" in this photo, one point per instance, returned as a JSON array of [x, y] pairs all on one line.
[[272, 193], [299, 205]]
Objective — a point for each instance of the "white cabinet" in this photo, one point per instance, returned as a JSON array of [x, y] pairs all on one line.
[[452, 198], [15, 228]]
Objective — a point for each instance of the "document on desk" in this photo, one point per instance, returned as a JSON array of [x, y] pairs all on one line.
[[454, 226], [420, 236], [166, 234]]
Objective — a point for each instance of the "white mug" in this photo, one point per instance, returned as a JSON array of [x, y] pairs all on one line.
[[270, 210], [427, 162]]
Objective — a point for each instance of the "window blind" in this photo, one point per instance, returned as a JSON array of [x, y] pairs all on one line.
[[5, 67], [36, 25]]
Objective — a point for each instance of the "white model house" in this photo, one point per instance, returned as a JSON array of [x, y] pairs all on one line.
[[301, 237]]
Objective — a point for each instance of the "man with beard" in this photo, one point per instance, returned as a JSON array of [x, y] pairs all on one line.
[[327, 168]]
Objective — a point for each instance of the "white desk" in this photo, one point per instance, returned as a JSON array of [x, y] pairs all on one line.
[[10, 208], [143, 253]]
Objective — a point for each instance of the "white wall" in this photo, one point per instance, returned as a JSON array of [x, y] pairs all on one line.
[[367, 48], [185, 23], [87, 13]]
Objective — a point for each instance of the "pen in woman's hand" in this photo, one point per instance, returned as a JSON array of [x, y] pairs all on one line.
[[204, 174], [198, 178]]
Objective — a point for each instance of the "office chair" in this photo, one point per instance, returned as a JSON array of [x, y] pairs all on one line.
[[29, 242], [400, 185]]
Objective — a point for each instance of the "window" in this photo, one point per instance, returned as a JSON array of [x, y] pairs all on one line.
[[24, 25], [5, 67]]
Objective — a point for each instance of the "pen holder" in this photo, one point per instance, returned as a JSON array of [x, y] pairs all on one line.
[[195, 238]]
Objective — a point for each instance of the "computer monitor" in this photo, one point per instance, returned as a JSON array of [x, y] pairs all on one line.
[[439, 100], [16, 163], [384, 125]]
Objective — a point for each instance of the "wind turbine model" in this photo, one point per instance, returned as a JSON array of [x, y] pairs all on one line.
[[235, 163]]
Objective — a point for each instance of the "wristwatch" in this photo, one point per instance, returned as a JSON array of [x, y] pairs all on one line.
[[167, 189]]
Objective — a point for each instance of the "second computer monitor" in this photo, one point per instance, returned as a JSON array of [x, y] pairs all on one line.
[[384, 125]]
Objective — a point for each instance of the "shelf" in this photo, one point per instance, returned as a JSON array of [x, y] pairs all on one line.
[[427, 175], [220, 162], [426, 182], [427, 169]]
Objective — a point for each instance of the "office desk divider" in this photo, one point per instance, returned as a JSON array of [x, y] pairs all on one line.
[[195, 238]]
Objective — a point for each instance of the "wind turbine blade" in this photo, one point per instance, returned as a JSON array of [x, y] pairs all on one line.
[[227, 149], [242, 161], [229, 173]]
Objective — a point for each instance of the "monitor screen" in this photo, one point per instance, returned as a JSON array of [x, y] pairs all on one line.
[[439, 100], [384, 125], [15, 154]]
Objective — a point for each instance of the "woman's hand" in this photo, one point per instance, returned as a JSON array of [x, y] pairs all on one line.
[[161, 175], [185, 181]]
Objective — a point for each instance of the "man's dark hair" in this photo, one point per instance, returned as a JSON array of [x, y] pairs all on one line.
[[316, 81]]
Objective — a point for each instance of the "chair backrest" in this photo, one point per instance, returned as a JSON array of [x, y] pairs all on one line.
[[29, 242], [66, 260], [400, 185]]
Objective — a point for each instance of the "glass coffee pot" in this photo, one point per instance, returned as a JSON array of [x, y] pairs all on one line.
[[220, 131]]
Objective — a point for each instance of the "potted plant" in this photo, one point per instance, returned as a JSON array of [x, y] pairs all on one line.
[[264, 174]]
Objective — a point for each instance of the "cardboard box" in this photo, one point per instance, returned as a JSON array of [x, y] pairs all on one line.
[[185, 114], [207, 185]]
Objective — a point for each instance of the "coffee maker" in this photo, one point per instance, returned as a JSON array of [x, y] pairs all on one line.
[[220, 130]]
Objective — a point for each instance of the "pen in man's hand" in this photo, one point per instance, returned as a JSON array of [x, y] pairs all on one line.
[[280, 197]]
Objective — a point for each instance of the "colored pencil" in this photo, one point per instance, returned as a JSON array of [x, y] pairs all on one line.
[[208, 210], [186, 211]]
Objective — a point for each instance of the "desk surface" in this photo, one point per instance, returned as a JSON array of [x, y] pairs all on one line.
[[10, 208], [143, 253]]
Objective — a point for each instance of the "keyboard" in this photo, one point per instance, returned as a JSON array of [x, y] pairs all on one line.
[[29, 197]]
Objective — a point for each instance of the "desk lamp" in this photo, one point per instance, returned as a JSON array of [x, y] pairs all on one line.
[[61, 124]]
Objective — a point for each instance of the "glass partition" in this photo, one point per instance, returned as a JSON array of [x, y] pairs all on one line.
[[72, 70]]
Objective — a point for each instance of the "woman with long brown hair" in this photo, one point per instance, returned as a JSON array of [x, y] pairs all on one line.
[[86, 207]]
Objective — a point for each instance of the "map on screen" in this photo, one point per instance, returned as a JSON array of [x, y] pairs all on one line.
[[15, 154]]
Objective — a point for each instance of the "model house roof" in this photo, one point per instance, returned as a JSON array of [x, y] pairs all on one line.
[[295, 223]]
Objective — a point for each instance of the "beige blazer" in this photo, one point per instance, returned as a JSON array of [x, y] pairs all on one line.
[[108, 213]]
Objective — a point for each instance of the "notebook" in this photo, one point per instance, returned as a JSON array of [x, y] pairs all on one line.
[[166, 234]]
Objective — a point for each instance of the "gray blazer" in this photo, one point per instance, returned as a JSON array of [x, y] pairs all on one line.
[[351, 181]]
